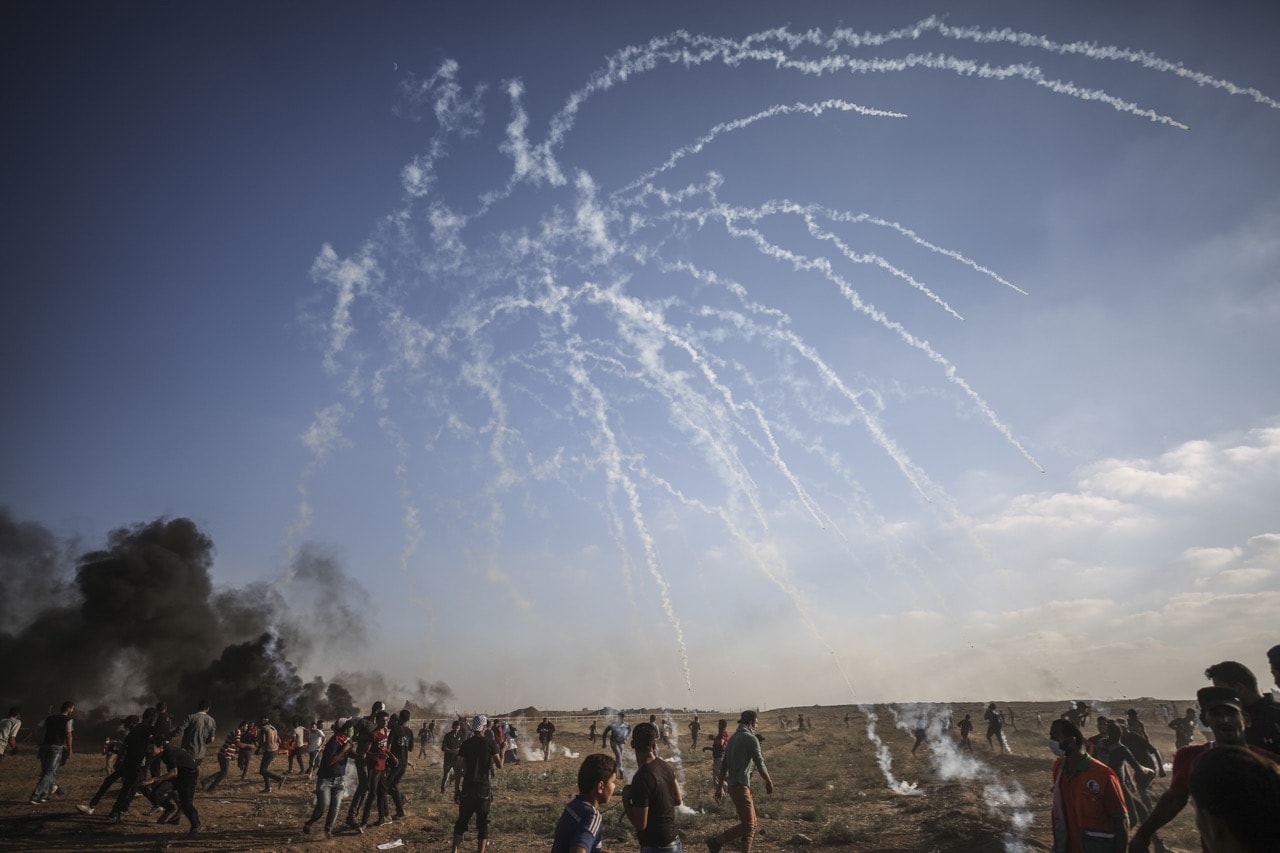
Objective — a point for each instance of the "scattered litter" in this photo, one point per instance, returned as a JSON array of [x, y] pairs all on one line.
[[399, 842]]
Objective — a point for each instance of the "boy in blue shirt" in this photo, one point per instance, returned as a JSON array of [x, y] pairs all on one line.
[[580, 827]]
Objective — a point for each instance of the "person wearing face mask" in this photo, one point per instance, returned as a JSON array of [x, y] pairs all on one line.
[[1222, 711], [1089, 814]]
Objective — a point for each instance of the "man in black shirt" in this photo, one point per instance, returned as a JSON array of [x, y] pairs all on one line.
[[122, 771], [55, 748], [546, 731], [133, 761], [477, 761], [184, 771], [650, 800], [401, 748], [449, 745]]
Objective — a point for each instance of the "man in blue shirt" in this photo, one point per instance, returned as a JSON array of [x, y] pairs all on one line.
[[580, 827]]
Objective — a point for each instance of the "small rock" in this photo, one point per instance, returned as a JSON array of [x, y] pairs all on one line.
[[800, 840]]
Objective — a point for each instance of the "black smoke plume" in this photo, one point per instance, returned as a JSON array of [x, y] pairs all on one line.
[[140, 621]]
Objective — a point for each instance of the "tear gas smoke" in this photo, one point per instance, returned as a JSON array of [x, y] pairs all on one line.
[[884, 758], [635, 328], [1006, 799]]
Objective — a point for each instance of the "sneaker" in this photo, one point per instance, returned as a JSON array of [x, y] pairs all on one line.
[[328, 833], [265, 791], [380, 822], [114, 818], [306, 827], [56, 790], [714, 844], [165, 815], [194, 831], [173, 818], [85, 809], [35, 801]]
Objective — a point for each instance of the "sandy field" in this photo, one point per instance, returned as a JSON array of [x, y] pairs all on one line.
[[830, 794]]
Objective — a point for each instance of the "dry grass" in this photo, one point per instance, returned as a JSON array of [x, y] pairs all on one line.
[[830, 795]]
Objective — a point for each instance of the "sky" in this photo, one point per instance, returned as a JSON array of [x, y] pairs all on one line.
[[669, 354]]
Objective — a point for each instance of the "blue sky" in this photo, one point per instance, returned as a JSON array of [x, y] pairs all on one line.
[[657, 355]]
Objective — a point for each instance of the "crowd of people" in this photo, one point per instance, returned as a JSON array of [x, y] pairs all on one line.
[[1102, 796], [1234, 778]]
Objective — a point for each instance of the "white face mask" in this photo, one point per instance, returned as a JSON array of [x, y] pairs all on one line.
[[1056, 748]]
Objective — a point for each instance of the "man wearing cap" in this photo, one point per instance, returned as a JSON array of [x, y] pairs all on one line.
[[330, 775], [477, 761], [1222, 711], [1262, 714], [740, 755], [650, 800]]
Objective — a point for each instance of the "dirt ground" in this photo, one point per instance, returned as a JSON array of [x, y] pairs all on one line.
[[829, 794]]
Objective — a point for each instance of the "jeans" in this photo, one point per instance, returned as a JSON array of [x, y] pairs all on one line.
[[377, 793], [362, 790], [50, 761], [129, 787], [185, 788], [328, 800], [224, 766], [265, 770]]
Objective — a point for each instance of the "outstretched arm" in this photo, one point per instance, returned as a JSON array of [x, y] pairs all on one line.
[[1171, 802]]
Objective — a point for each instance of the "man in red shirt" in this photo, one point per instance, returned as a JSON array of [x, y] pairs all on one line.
[[1222, 711], [378, 758], [1089, 814]]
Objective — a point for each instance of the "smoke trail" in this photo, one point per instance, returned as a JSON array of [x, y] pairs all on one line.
[[1005, 799], [601, 343], [320, 439], [1094, 51], [813, 109], [884, 759]]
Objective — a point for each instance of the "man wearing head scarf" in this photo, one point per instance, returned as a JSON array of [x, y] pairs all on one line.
[[740, 756], [331, 772], [477, 761]]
